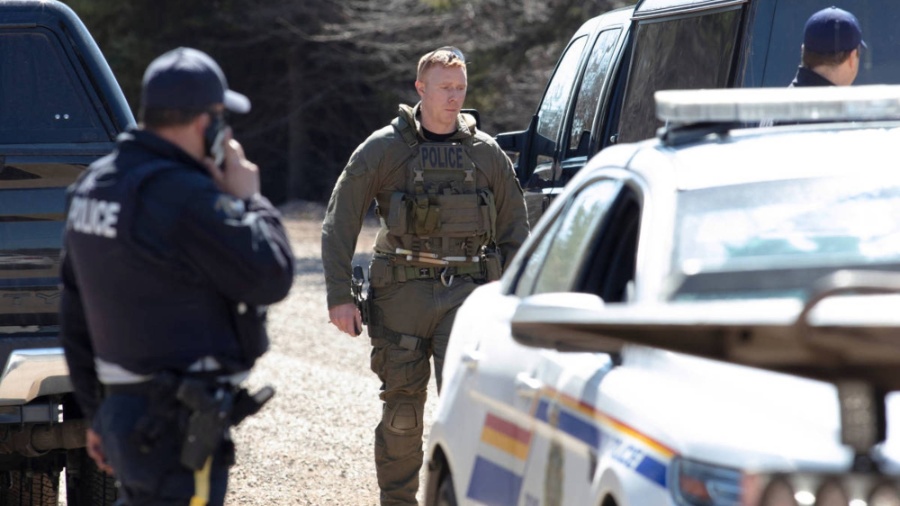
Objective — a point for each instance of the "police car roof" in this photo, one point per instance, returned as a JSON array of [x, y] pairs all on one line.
[[741, 155]]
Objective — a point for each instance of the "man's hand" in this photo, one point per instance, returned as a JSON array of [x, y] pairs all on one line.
[[238, 176], [346, 318], [95, 451]]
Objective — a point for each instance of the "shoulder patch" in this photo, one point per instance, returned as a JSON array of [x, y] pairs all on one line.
[[230, 206]]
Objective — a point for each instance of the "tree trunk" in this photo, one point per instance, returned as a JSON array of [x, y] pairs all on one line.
[[298, 135]]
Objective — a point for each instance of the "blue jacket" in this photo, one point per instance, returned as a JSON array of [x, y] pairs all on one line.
[[160, 268]]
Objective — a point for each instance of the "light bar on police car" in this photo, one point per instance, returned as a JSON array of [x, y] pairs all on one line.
[[832, 103]]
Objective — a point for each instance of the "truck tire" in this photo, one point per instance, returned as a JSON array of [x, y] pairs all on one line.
[[31, 488], [86, 484]]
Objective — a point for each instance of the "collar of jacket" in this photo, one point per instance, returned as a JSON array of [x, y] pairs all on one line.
[[465, 123], [806, 77], [146, 144]]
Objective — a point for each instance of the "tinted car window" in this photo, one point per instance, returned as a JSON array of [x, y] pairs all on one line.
[[592, 84], [555, 264], [686, 53], [559, 90], [32, 216], [41, 97], [879, 20]]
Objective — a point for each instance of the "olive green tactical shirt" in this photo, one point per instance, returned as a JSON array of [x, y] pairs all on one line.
[[379, 165]]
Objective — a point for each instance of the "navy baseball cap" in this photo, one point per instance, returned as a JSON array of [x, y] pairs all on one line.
[[832, 30], [188, 79]]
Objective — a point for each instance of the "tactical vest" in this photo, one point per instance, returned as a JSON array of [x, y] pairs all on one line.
[[443, 214]]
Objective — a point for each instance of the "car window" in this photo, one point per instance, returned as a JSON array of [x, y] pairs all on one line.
[[674, 54], [554, 265], [611, 268], [592, 84], [32, 216], [559, 90], [41, 97]]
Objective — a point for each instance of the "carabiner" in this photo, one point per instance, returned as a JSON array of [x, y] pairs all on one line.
[[444, 280]]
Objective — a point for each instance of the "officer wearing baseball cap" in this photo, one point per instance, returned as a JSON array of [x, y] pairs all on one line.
[[830, 54], [170, 258]]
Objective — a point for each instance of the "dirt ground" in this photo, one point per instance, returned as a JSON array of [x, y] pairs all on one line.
[[313, 443]]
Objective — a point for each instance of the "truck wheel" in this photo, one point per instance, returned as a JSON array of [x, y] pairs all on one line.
[[86, 484], [31, 488], [446, 496]]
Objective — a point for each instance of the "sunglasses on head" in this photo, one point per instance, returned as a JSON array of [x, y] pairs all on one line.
[[454, 52]]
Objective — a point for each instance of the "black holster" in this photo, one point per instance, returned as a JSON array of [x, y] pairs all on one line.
[[213, 409]]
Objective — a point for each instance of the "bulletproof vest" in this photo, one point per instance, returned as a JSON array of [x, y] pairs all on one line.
[[442, 211], [147, 310]]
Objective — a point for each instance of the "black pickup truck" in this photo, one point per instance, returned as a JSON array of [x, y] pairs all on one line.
[[60, 109], [601, 92]]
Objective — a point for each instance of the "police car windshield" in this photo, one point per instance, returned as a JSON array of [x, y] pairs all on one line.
[[785, 226]]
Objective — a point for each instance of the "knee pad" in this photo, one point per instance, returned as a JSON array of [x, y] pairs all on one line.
[[402, 418]]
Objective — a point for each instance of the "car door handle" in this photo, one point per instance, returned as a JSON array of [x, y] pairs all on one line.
[[527, 385]]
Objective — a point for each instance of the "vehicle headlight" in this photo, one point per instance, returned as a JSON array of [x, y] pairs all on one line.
[[695, 483]]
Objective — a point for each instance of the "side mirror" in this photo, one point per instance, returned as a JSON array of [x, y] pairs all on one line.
[[560, 321]]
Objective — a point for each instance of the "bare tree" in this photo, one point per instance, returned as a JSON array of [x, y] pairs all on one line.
[[323, 74]]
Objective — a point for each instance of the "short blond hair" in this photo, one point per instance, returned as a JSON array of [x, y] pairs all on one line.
[[447, 56]]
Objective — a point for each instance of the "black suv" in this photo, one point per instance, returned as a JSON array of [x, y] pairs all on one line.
[[602, 89], [60, 109]]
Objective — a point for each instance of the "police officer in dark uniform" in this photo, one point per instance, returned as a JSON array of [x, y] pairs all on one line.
[[170, 258], [830, 54]]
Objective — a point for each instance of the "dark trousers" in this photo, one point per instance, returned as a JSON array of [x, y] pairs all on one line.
[[424, 309], [153, 476]]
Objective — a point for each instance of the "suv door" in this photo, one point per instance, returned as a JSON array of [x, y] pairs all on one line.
[[562, 134]]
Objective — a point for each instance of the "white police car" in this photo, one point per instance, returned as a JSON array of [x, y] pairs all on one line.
[[705, 318]]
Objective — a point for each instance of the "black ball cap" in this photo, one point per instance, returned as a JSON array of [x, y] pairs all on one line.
[[188, 79]]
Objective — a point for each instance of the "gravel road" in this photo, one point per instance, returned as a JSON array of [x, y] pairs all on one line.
[[312, 444]]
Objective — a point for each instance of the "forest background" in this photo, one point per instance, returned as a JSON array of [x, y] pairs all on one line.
[[323, 74]]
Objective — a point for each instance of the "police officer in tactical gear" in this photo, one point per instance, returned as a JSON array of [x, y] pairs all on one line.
[[452, 214], [170, 258]]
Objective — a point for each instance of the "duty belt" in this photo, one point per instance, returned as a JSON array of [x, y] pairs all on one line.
[[414, 272]]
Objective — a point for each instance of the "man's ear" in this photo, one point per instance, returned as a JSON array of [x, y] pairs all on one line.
[[202, 121], [420, 87]]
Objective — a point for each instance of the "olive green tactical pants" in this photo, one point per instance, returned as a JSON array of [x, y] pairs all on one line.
[[423, 308]]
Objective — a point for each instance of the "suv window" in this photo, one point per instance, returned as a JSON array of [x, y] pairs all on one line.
[[687, 53], [591, 87], [556, 262], [41, 96], [32, 216], [556, 99]]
